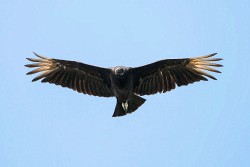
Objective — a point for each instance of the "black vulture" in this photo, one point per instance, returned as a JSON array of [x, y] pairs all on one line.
[[127, 84]]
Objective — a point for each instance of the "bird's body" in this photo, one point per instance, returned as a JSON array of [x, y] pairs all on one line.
[[125, 83], [122, 84]]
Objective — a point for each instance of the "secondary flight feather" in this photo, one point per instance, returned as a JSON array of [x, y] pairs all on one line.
[[125, 83]]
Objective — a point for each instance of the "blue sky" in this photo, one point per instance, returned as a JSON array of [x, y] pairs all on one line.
[[205, 124]]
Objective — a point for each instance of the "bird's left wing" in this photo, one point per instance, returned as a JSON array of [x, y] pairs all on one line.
[[80, 77], [164, 75]]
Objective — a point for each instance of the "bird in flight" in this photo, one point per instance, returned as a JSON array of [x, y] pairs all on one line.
[[127, 84]]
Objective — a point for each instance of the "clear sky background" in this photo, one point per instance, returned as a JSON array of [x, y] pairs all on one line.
[[206, 124]]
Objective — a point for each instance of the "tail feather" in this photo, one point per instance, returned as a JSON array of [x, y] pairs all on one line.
[[119, 111], [133, 104]]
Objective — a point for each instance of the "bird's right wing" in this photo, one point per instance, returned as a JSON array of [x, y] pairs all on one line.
[[164, 75], [80, 77]]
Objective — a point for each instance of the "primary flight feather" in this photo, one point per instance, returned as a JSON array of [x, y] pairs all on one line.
[[125, 83]]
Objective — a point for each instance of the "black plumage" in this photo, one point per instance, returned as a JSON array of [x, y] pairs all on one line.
[[125, 83]]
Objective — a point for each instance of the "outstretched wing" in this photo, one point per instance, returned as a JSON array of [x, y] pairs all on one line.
[[80, 77], [164, 75]]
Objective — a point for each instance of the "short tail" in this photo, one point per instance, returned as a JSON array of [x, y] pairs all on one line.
[[133, 104]]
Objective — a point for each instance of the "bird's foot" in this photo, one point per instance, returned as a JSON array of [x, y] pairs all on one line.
[[125, 106]]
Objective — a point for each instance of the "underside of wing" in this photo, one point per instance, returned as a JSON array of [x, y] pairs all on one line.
[[80, 77], [164, 75]]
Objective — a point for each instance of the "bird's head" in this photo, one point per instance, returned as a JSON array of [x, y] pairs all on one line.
[[120, 70]]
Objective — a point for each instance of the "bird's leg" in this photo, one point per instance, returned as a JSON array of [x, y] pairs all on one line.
[[125, 106]]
